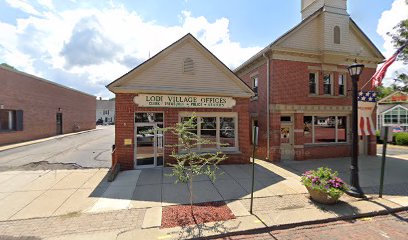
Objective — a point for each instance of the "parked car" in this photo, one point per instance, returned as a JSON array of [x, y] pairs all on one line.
[[99, 122]]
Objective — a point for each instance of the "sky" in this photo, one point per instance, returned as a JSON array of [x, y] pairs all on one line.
[[88, 44]]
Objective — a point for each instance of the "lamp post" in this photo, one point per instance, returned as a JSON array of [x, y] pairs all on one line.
[[354, 187]]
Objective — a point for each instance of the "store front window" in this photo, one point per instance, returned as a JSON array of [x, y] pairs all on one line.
[[220, 128], [325, 129]]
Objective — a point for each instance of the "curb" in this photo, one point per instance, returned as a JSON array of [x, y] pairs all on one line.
[[306, 223], [32, 142]]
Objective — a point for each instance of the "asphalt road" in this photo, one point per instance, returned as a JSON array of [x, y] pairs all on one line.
[[90, 150]]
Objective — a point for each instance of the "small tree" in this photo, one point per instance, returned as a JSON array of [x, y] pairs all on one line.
[[191, 163]]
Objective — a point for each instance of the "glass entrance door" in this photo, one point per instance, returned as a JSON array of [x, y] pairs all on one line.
[[145, 146], [149, 146]]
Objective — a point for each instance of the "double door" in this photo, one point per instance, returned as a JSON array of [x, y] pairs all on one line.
[[149, 145]]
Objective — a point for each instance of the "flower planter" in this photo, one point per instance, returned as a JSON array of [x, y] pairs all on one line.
[[321, 197]]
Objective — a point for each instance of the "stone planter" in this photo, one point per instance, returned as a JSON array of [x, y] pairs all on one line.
[[321, 197]]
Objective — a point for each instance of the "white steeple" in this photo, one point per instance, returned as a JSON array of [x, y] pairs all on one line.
[[335, 6]]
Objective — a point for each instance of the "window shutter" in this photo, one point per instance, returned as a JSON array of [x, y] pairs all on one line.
[[19, 120]]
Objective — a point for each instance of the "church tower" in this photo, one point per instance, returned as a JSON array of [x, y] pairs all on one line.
[[335, 6], [335, 23]]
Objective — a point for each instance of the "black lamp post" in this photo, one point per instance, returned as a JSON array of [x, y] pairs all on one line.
[[354, 187]]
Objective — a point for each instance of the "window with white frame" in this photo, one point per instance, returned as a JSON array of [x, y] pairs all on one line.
[[342, 85], [327, 84], [255, 85], [217, 127], [325, 129], [313, 83], [396, 116]]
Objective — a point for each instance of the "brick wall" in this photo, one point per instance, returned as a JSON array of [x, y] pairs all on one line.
[[125, 109], [290, 85], [40, 101]]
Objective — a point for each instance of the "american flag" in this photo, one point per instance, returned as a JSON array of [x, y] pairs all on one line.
[[379, 75], [366, 105]]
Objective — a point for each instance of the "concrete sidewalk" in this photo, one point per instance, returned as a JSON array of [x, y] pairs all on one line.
[[280, 200]]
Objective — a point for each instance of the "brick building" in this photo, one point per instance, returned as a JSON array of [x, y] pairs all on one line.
[[303, 102], [181, 79], [33, 108]]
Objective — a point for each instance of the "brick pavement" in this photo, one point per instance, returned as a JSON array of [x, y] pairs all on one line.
[[392, 226], [75, 223]]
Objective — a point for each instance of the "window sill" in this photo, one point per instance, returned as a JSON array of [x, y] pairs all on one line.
[[218, 150], [326, 144], [327, 96], [8, 131]]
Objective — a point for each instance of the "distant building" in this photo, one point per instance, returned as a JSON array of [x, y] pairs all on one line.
[[33, 108], [393, 111], [105, 111]]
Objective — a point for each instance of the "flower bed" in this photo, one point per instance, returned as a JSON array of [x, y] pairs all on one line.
[[180, 215]]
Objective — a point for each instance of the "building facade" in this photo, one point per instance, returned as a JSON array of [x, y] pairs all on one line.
[[33, 108], [105, 111], [303, 102], [392, 111], [183, 79]]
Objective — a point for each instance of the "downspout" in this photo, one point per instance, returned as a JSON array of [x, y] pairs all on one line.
[[267, 107]]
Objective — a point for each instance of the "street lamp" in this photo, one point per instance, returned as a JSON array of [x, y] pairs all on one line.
[[354, 187]]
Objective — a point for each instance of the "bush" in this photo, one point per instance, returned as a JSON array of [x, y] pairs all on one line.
[[401, 138]]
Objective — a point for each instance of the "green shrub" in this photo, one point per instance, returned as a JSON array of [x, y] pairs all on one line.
[[401, 138]]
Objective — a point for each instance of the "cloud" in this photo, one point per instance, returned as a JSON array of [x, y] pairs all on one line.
[[88, 48], [389, 19], [88, 45], [23, 6]]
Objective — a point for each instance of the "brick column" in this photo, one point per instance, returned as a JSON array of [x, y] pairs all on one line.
[[124, 129], [298, 135]]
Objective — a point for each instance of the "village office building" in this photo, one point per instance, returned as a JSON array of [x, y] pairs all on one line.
[[183, 79], [33, 108], [303, 104]]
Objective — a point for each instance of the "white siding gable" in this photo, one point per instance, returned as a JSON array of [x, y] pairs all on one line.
[[166, 74]]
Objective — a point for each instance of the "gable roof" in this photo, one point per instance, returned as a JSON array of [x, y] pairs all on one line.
[[393, 95], [133, 80], [303, 23]]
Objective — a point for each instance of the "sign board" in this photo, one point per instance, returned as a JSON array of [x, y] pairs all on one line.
[[389, 135], [255, 136], [183, 101], [127, 142]]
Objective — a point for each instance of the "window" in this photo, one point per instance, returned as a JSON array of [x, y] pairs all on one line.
[[286, 119], [221, 128], [255, 85], [397, 116], [342, 85], [313, 86], [325, 129], [105, 112], [308, 129], [336, 33], [11, 120], [327, 84], [148, 117], [188, 66], [342, 129]]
